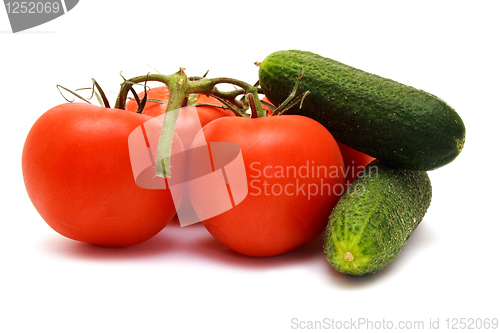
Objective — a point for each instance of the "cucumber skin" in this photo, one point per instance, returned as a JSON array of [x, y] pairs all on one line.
[[398, 124], [374, 225]]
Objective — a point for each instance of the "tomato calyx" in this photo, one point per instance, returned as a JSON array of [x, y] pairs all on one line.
[[140, 103], [253, 107], [100, 95], [292, 99]]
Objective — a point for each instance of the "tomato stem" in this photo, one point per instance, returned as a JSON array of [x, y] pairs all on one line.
[[180, 87], [140, 103], [177, 84], [253, 107], [247, 88]]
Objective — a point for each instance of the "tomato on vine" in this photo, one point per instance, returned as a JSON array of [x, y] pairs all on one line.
[[294, 181], [77, 171]]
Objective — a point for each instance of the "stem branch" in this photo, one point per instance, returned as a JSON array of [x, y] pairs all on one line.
[[180, 86]]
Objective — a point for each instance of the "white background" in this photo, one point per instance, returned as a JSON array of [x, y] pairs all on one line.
[[183, 280]]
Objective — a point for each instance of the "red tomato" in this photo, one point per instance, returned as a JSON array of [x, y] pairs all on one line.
[[354, 162], [294, 181], [78, 174]]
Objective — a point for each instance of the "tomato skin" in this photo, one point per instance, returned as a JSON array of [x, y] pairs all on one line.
[[266, 225], [78, 175], [354, 162]]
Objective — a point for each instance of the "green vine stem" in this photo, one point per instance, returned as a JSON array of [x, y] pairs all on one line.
[[180, 87], [181, 90]]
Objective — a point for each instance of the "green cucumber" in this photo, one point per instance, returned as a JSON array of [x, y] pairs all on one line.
[[398, 124], [373, 220]]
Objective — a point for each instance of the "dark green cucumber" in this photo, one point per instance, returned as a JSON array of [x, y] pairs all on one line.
[[373, 220], [398, 124]]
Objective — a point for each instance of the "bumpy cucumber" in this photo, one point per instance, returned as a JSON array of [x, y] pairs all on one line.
[[373, 220], [398, 124]]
